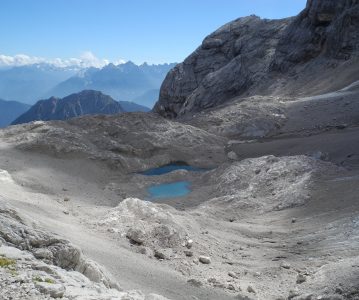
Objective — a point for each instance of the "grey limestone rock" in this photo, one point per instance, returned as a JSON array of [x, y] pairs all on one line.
[[258, 56]]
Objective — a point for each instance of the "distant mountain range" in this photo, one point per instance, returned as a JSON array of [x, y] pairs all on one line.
[[87, 102], [124, 82], [30, 83], [9, 110], [146, 98], [132, 107]]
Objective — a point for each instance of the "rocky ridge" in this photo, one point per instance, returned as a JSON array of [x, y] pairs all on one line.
[[84, 103], [133, 141]]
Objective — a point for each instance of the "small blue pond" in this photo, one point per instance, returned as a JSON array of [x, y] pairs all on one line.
[[169, 168], [169, 190]]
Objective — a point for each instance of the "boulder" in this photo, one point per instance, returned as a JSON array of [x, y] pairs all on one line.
[[300, 278], [204, 259], [51, 289], [232, 155], [195, 282], [135, 235], [233, 275], [163, 253], [250, 289], [285, 265]]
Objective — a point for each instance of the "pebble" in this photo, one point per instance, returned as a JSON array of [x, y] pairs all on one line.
[[143, 250], [250, 289], [257, 274], [160, 254], [293, 293], [195, 282], [233, 275], [285, 265], [212, 280], [301, 278], [189, 244], [205, 260]]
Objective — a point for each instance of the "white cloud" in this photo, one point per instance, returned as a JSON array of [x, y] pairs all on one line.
[[86, 60]]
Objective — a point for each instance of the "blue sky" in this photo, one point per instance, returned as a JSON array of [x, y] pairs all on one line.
[[155, 31]]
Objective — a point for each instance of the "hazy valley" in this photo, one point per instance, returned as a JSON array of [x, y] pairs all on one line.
[[135, 87]]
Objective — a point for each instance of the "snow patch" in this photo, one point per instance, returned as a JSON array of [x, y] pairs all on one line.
[[5, 176]]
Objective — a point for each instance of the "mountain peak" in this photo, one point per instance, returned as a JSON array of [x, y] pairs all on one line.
[[87, 102], [124, 82], [251, 56], [130, 63]]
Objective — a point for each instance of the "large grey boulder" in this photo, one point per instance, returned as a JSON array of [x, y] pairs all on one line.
[[54, 290]]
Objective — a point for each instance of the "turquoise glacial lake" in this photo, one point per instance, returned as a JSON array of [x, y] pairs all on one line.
[[170, 168], [169, 190]]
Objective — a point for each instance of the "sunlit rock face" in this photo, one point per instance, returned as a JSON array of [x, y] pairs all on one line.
[[252, 56]]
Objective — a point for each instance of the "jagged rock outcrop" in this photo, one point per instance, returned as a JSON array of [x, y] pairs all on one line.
[[37, 265], [325, 28], [16, 233], [301, 55], [87, 102]]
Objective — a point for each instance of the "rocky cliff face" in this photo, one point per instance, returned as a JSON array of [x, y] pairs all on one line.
[[84, 103], [325, 28], [297, 56]]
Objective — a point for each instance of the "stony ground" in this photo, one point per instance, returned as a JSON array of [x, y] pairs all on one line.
[[269, 108], [36, 265], [273, 217]]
